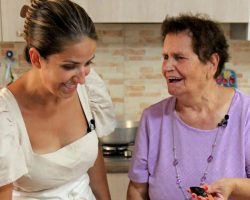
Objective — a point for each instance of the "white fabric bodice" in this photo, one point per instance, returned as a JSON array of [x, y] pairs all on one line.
[[58, 175]]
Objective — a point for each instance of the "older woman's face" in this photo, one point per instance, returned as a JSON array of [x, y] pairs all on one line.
[[181, 67], [62, 72]]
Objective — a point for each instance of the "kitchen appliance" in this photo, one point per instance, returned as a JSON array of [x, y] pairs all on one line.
[[117, 151], [118, 146], [117, 157], [123, 134]]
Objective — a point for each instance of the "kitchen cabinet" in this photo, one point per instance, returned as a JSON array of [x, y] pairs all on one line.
[[146, 11], [118, 185], [0, 25], [129, 11], [12, 23], [83, 3]]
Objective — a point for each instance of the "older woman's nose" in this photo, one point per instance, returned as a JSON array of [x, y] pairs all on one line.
[[168, 65]]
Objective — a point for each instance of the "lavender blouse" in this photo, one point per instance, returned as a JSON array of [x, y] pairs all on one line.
[[153, 157]]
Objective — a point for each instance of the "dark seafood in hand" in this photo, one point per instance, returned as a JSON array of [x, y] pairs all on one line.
[[198, 191]]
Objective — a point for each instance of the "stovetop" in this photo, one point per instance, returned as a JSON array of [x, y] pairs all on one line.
[[117, 158], [122, 151], [117, 151]]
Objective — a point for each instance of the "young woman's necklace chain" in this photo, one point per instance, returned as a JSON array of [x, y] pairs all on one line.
[[204, 175]]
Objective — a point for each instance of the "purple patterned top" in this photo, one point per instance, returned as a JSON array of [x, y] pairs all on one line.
[[152, 160]]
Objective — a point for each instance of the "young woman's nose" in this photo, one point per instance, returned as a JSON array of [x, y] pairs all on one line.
[[80, 75]]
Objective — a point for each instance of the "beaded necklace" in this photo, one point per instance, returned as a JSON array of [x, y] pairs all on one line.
[[210, 158]]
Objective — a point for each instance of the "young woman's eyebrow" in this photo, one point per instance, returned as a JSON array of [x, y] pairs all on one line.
[[90, 59]]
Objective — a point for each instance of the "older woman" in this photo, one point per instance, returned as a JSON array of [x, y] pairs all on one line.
[[201, 133]]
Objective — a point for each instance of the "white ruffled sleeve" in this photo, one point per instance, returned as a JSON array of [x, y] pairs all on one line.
[[12, 161], [100, 103]]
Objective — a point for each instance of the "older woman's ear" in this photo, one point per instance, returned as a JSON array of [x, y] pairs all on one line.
[[214, 63]]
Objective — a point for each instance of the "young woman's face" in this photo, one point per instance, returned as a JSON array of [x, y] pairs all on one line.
[[62, 72], [181, 67]]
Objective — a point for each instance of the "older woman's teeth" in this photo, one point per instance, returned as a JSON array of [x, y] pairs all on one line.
[[174, 79]]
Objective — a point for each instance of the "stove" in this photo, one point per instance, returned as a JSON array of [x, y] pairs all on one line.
[[117, 157], [117, 151]]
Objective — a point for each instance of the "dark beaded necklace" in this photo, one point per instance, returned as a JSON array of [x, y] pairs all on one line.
[[210, 158]]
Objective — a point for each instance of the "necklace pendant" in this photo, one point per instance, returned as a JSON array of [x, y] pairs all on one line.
[[210, 158], [178, 181], [203, 179], [175, 162]]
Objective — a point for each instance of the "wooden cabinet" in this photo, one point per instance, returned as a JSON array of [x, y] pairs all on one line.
[[120, 11], [0, 25], [12, 23], [130, 11], [83, 3], [118, 185], [223, 11]]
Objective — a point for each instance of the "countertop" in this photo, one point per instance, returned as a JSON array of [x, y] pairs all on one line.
[[117, 164]]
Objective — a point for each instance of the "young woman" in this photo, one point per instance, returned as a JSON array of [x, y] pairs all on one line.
[[52, 116]]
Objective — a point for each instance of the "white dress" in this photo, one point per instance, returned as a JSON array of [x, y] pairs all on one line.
[[60, 175]]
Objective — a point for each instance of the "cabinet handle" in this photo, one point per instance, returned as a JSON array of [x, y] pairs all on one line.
[[19, 34]]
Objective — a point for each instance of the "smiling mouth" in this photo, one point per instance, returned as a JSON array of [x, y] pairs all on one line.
[[70, 85], [174, 80]]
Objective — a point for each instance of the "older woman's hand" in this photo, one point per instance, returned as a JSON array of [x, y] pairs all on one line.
[[219, 190], [197, 197]]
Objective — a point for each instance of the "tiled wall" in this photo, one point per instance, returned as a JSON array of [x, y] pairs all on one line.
[[129, 59]]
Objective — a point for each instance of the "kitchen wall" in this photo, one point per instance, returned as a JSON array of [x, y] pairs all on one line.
[[129, 59]]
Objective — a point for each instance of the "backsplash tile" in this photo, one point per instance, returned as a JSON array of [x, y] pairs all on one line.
[[129, 59]]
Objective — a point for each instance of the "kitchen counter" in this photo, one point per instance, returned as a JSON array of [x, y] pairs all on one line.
[[117, 164]]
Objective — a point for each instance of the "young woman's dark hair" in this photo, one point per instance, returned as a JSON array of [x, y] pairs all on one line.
[[52, 24], [207, 36]]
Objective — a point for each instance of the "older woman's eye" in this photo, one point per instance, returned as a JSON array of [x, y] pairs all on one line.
[[165, 57], [179, 58]]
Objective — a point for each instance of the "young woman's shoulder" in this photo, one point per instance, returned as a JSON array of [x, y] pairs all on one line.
[[12, 158], [5, 117]]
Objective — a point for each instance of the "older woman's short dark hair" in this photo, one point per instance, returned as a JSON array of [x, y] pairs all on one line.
[[207, 36]]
